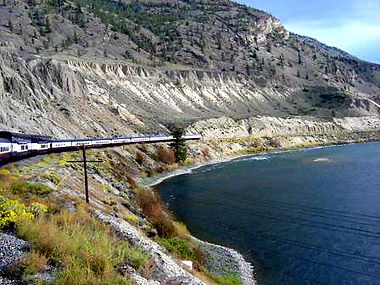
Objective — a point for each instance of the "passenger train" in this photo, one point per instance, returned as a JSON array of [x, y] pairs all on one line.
[[15, 145]]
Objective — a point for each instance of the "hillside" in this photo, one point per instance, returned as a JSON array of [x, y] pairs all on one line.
[[120, 67]]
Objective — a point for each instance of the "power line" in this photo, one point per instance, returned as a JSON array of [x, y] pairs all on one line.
[[308, 223], [308, 208], [304, 211], [322, 249], [239, 230]]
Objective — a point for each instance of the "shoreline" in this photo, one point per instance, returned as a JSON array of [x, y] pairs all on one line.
[[157, 179], [245, 268]]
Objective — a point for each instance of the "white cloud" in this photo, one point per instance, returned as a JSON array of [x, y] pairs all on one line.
[[351, 25], [356, 37]]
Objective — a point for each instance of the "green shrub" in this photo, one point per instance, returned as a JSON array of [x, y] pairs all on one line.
[[4, 171], [53, 177], [180, 248], [130, 218], [37, 209], [228, 280], [27, 189]]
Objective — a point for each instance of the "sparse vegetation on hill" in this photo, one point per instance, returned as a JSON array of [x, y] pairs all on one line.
[[67, 243]]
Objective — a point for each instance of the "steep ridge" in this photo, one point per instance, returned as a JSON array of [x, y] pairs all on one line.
[[110, 68], [218, 68], [85, 98]]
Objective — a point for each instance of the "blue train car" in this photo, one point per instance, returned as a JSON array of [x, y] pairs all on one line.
[[21, 144], [5, 148]]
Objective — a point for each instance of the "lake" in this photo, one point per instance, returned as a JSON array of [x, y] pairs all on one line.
[[300, 217]]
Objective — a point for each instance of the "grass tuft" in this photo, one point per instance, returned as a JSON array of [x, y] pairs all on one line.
[[179, 248], [130, 218], [227, 280], [86, 249], [33, 263], [153, 208], [27, 189], [53, 177]]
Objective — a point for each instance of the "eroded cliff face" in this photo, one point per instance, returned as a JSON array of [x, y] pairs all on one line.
[[93, 71], [265, 126], [83, 98]]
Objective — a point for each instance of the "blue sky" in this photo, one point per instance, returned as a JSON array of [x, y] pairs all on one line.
[[351, 25]]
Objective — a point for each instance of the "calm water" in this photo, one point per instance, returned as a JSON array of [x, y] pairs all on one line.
[[302, 217]]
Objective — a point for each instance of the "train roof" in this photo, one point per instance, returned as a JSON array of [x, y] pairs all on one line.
[[6, 134], [70, 140], [18, 136], [4, 140]]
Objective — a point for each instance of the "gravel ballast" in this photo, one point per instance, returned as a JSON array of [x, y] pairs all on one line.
[[12, 250]]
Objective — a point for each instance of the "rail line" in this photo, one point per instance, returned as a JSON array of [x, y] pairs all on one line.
[[15, 146]]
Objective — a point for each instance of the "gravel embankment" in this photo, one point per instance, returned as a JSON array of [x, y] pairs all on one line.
[[11, 251], [165, 270], [224, 260]]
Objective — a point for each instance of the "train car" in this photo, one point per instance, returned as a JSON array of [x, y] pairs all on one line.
[[192, 137], [160, 138], [168, 138], [21, 144], [81, 142], [98, 142], [40, 144], [62, 143], [139, 139], [123, 140], [5, 148]]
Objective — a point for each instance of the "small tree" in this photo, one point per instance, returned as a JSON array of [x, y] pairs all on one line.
[[179, 145], [47, 25]]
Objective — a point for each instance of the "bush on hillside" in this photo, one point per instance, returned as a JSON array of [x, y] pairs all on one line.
[[87, 251], [140, 157], [27, 189], [165, 155], [11, 211], [152, 207], [274, 143]]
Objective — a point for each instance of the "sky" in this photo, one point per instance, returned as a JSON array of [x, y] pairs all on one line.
[[351, 25]]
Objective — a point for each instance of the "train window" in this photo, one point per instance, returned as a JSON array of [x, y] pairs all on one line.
[[4, 149]]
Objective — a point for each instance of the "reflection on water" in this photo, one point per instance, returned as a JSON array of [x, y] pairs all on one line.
[[322, 159], [302, 217]]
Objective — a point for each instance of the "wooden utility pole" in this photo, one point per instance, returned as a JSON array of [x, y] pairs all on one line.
[[84, 161]]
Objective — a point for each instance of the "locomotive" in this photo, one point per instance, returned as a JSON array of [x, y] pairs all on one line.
[[18, 145]]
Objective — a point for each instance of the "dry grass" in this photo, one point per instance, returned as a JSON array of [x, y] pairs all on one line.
[[86, 250], [140, 157], [153, 208], [165, 155], [205, 152], [33, 262], [181, 230]]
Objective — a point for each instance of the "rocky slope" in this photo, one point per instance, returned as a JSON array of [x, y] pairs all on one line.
[[116, 68], [229, 72]]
